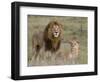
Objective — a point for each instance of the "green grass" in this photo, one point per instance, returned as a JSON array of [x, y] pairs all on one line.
[[72, 26]]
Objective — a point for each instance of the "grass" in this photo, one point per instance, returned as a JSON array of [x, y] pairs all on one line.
[[72, 26]]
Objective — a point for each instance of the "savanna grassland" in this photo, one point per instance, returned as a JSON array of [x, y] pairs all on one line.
[[72, 27]]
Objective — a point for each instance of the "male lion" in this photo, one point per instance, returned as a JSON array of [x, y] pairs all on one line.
[[52, 36]]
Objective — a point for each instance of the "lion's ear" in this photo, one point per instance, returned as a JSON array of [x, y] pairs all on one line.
[[78, 41]]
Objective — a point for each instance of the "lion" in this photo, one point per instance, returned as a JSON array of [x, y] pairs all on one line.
[[71, 56], [52, 36], [75, 50]]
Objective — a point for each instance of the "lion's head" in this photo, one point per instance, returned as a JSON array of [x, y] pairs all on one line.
[[52, 35], [74, 42]]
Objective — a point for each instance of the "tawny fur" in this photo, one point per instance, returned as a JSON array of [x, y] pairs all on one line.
[[75, 49], [73, 54]]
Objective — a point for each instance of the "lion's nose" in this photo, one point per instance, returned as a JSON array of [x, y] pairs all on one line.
[[56, 32]]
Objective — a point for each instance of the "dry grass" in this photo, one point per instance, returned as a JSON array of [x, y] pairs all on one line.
[[72, 26]]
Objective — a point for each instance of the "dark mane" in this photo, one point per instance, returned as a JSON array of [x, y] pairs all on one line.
[[48, 40]]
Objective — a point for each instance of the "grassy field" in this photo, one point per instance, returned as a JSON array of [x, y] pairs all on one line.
[[72, 26]]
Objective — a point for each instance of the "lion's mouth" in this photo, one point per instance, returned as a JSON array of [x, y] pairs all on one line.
[[56, 34]]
